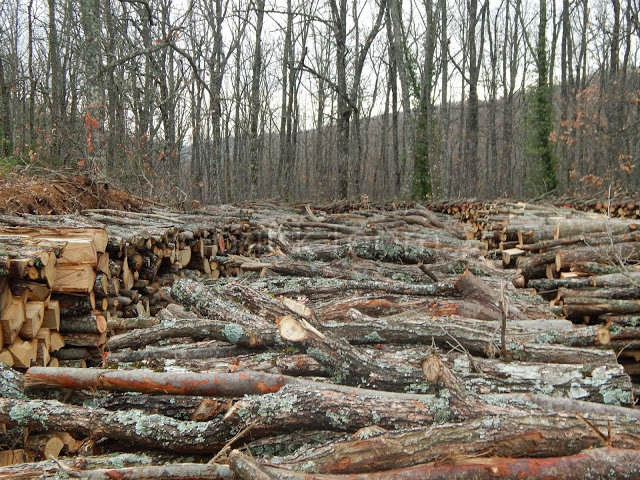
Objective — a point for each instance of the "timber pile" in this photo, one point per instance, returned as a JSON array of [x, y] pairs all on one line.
[[378, 343], [614, 204]]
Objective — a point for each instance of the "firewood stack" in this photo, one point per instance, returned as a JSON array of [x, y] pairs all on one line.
[[616, 204], [328, 342], [589, 272], [64, 288]]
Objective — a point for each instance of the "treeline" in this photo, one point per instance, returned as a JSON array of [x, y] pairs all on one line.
[[222, 100]]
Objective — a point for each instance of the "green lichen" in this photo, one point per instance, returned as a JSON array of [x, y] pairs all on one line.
[[26, 413], [373, 337], [319, 355], [244, 414], [615, 396], [153, 426], [600, 376], [265, 357], [339, 419], [576, 391], [544, 388], [281, 402], [546, 337], [233, 333]]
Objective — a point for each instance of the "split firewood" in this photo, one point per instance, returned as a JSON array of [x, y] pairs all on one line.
[[74, 279], [12, 320]]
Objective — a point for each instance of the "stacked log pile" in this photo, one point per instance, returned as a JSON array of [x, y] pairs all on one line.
[[584, 263], [617, 204], [377, 343]]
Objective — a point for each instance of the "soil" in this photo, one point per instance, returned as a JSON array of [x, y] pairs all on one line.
[[62, 195]]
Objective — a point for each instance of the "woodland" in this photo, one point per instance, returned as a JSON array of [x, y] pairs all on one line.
[[220, 100]]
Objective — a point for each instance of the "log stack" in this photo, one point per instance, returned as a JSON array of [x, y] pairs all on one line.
[[376, 342], [584, 263]]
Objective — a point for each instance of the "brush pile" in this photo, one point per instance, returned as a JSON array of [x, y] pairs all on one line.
[[273, 342]]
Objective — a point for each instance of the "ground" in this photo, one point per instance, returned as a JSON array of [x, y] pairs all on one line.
[[62, 195]]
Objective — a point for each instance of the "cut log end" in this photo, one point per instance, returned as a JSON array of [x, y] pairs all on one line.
[[432, 368], [603, 336], [291, 329]]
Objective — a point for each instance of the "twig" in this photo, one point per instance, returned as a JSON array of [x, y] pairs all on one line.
[[227, 447], [606, 440]]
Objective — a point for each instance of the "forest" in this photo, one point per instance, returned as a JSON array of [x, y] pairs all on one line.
[[220, 100]]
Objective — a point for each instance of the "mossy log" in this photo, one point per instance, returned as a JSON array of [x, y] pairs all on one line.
[[205, 349], [196, 330], [132, 427], [384, 250], [319, 288]]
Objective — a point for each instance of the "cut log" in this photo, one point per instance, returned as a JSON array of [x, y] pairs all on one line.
[[509, 256], [541, 435], [618, 253], [85, 339], [578, 307], [579, 226], [350, 365], [101, 285], [593, 464], [31, 291], [34, 316], [90, 323], [74, 279], [73, 305], [385, 250], [204, 349], [473, 288], [79, 251], [12, 319], [52, 315], [482, 376], [98, 235], [133, 427], [197, 330], [236, 384], [23, 352]]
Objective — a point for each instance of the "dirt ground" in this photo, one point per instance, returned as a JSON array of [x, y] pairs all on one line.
[[57, 196]]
